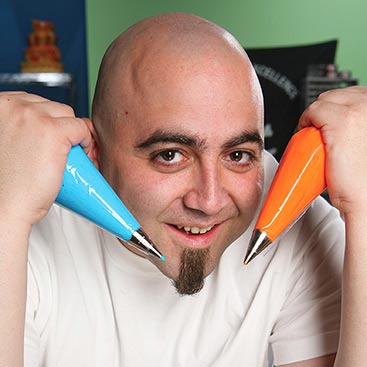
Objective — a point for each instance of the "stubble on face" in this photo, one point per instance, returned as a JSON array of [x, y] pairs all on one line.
[[191, 277]]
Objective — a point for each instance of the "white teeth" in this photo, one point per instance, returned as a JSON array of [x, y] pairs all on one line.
[[195, 230]]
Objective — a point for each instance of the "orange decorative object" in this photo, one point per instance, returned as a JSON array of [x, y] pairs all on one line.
[[42, 55], [300, 178]]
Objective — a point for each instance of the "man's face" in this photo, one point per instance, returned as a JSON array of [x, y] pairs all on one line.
[[186, 159]]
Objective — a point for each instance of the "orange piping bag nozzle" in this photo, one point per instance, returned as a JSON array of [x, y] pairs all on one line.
[[299, 179]]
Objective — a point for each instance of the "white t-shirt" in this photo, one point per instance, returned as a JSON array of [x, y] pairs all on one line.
[[91, 302]]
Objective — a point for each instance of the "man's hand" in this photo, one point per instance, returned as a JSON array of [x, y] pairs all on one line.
[[342, 117], [36, 136]]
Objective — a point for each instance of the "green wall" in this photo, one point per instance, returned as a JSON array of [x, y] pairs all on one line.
[[255, 23]]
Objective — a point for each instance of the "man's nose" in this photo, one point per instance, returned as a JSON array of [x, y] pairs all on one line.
[[207, 193]]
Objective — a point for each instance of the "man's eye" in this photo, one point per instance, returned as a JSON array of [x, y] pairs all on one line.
[[239, 156], [239, 160], [169, 160], [169, 156]]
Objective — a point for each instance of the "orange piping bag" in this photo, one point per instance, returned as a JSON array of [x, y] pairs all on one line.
[[299, 179]]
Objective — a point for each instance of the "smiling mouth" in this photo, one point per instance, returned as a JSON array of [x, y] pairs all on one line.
[[194, 230]]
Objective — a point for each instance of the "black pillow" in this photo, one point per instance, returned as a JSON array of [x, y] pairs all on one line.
[[280, 71]]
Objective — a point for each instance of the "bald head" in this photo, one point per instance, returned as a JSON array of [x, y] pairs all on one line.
[[159, 53]]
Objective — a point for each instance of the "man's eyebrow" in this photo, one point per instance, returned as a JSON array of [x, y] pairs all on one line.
[[160, 136], [245, 137]]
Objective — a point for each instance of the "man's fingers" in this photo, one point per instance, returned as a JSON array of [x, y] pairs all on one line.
[[339, 106], [321, 113], [75, 130]]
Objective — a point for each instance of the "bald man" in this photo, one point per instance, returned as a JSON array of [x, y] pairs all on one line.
[[178, 132]]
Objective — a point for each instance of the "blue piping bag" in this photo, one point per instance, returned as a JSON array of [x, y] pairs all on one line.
[[86, 192]]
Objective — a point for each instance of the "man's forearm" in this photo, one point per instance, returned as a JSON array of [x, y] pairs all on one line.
[[352, 346], [13, 280]]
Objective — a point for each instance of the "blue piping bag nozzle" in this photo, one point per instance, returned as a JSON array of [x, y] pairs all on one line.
[[86, 192]]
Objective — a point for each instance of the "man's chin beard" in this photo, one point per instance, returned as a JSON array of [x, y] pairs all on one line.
[[191, 278]]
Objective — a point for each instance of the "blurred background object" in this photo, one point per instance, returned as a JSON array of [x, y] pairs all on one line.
[[42, 54], [323, 77], [280, 71], [63, 80]]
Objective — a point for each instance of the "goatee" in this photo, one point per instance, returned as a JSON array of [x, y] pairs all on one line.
[[192, 271]]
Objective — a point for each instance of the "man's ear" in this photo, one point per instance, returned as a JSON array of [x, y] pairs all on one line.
[[93, 148]]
